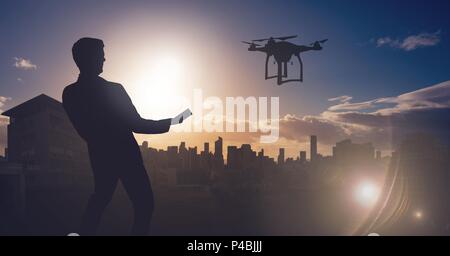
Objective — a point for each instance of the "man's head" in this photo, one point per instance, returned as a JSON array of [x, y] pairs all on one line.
[[89, 56]]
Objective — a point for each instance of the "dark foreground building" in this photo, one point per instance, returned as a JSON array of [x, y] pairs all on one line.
[[40, 133], [44, 154]]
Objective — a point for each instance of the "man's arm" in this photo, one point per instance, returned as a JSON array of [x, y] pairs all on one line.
[[136, 122]]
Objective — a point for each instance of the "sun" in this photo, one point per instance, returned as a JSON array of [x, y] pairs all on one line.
[[156, 91], [166, 72], [367, 193]]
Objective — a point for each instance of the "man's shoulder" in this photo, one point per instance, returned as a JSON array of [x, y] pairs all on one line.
[[69, 89], [78, 86], [77, 89], [111, 84], [114, 85]]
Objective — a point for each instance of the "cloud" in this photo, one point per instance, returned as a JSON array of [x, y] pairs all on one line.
[[300, 128], [352, 106], [343, 98], [411, 42], [382, 121], [25, 64], [3, 100], [387, 41]]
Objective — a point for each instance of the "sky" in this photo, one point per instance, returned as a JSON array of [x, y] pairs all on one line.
[[384, 70]]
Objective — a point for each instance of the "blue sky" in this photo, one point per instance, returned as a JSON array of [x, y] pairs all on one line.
[[376, 49]]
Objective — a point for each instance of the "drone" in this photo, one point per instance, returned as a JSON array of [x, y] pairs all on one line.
[[283, 51]]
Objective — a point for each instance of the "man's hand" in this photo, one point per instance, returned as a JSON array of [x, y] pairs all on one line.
[[181, 117]]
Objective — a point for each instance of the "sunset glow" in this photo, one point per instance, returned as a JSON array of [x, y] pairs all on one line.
[[157, 87]]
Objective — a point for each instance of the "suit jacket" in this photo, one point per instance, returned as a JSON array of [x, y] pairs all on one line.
[[105, 117]]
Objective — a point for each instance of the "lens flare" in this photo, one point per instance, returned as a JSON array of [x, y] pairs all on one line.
[[367, 193], [418, 214]]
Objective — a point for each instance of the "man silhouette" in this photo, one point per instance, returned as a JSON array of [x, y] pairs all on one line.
[[105, 117]]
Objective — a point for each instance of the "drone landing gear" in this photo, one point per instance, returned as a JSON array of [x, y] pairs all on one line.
[[280, 81], [282, 71], [267, 69]]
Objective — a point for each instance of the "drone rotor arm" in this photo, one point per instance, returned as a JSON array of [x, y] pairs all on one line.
[[285, 37], [245, 42]]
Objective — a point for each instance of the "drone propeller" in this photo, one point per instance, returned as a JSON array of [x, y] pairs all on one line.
[[320, 42], [260, 40], [279, 38], [286, 37], [250, 43]]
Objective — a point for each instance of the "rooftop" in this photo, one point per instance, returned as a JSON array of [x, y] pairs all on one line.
[[33, 105]]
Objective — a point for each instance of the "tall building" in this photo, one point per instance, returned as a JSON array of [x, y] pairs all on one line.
[[184, 155], [40, 133], [206, 147], [348, 152], [232, 157], [302, 156], [248, 155], [172, 156], [218, 155], [281, 156], [205, 157], [193, 159], [218, 145], [313, 145], [182, 146], [261, 153]]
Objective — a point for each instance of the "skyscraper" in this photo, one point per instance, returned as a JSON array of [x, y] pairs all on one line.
[[182, 146], [348, 152], [302, 156], [206, 147], [281, 156], [218, 155], [232, 157], [261, 153], [172, 156], [218, 144], [313, 144], [184, 155]]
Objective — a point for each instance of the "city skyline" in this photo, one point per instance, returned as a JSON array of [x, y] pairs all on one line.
[[376, 79], [42, 100], [260, 153]]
